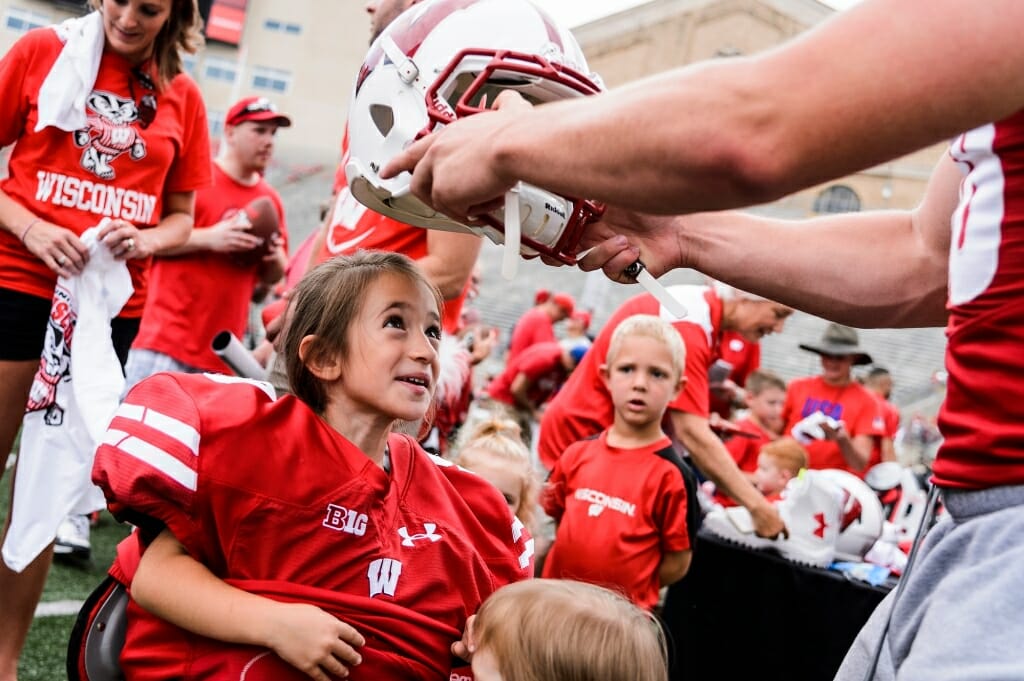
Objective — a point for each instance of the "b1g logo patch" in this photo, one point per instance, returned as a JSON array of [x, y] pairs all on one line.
[[345, 520]]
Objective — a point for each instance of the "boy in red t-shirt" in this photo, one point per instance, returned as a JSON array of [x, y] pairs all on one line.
[[620, 498], [766, 393]]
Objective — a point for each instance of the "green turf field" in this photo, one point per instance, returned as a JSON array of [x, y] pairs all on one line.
[[43, 657]]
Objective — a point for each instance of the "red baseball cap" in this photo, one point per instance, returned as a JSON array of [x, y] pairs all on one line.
[[564, 301], [583, 317], [256, 109]]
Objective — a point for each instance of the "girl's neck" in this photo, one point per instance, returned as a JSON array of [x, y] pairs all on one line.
[[369, 435]]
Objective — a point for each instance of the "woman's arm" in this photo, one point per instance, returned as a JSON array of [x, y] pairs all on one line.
[[303, 635]]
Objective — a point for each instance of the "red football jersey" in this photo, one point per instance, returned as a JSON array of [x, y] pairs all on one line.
[[195, 296], [853, 404], [541, 364], [982, 418], [583, 406], [270, 497], [535, 326], [112, 168], [618, 512]]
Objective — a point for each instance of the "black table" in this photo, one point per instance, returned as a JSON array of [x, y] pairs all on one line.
[[745, 614]]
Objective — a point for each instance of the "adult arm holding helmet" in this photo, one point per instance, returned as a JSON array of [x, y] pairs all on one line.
[[748, 130]]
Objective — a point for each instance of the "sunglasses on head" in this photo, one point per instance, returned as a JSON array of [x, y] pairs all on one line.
[[260, 105], [145, 107]]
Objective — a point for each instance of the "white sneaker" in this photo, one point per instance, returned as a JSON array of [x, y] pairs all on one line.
[[811, 507], [73, 537]]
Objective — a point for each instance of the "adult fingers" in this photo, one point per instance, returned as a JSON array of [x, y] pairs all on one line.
[[510, 100], [613, 256], [406, 160]]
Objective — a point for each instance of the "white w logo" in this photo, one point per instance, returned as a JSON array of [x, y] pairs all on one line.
[[383, 575]]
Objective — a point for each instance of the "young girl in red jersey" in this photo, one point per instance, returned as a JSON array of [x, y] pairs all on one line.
[[104, 124], [557, 629], [303, 526]]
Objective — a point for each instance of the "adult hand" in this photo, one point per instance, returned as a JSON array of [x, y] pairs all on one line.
[[230, 235], [315, 642], [455, 170], [622, 236], [59, 248], [836, 432], [485, 342], [767, 521], [125, 240]]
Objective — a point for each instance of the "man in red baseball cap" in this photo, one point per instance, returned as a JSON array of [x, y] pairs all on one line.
[[256, 109], [207, 287]]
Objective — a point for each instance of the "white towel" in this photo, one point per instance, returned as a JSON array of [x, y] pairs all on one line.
[[73, 75], [73, 398]]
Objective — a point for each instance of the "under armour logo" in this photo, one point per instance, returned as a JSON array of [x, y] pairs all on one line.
[[410, 539], [595, 510], [819, 531]]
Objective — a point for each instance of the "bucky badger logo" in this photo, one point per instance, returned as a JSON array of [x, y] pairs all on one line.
[[55, 364], [109, 133]]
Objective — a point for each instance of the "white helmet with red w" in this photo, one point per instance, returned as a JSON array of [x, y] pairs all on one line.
[[442, 60]]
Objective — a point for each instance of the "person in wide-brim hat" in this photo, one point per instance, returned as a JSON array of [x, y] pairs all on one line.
[[839, 341]]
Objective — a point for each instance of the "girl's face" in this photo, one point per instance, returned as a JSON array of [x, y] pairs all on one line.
[[392, 365], [131, 26], [504, 475]]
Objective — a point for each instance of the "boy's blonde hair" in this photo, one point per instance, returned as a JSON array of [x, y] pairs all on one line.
[[787, 453], [501, 438], [563, 630], [649, 326], [760, 380]]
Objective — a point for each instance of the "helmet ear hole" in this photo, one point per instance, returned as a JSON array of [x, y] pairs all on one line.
[[383, 118]]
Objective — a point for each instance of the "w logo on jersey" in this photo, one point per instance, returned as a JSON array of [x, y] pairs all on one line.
[[383, 575], [411, 539]]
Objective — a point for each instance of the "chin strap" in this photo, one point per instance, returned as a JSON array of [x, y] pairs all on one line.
[[513, 235]]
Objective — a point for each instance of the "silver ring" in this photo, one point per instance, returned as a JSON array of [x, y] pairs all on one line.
[[61, 260], [129, 243]]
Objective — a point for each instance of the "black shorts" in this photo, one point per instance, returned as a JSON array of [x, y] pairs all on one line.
[[23, 319]]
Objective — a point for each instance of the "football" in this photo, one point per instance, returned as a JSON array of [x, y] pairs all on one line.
[[262, 216]]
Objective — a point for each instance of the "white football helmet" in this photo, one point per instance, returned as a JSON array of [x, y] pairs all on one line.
[[862, 517], [442, 60]]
